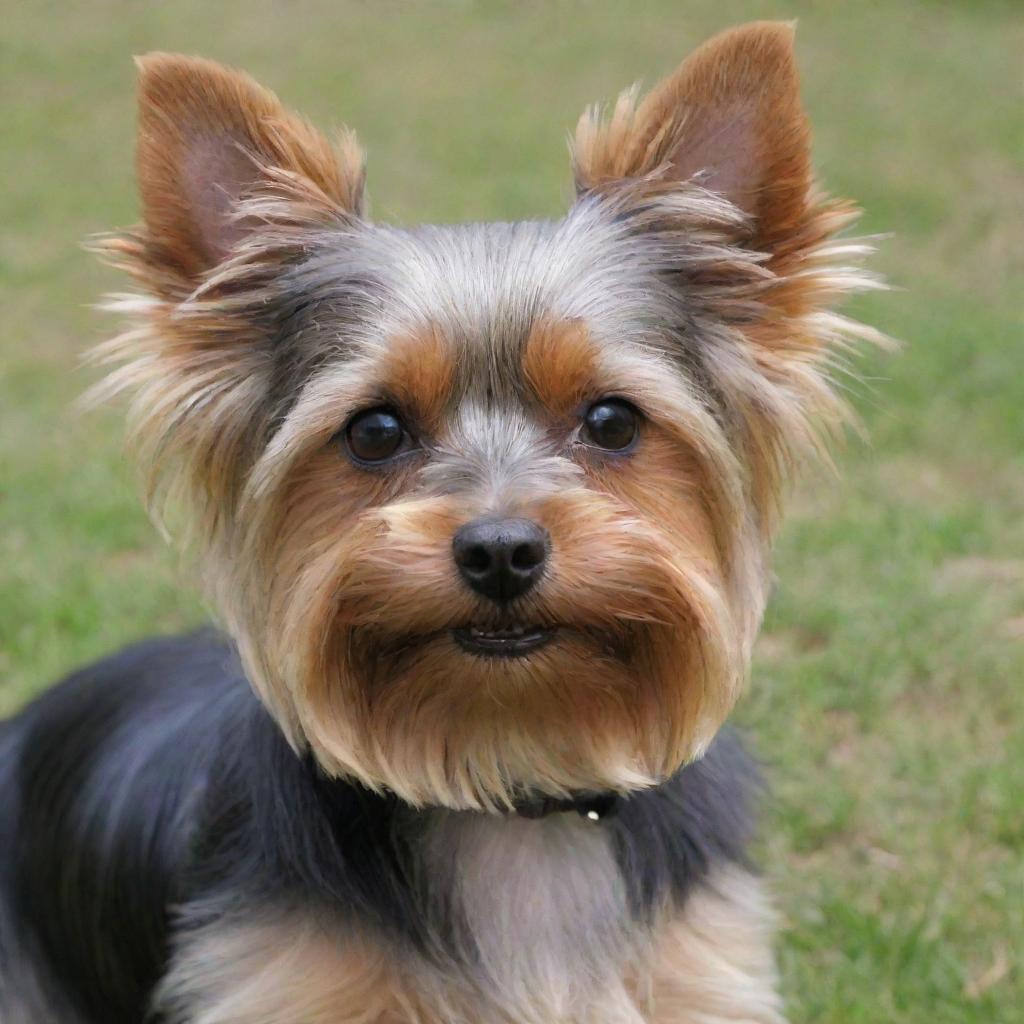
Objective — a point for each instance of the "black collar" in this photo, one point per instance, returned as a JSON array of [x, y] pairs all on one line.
[[592, 806]]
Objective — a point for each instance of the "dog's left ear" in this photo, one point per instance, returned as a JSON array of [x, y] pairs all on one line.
[[730, 118]]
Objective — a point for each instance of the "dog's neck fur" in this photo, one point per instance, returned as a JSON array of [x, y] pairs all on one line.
[[531, 912]]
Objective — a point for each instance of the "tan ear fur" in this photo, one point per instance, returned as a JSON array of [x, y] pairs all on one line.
[[207, 136], [731, 115]]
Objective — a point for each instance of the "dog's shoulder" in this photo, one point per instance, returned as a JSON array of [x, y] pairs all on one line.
[[101, 778]]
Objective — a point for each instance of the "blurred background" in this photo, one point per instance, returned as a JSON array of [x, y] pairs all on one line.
[[887, 700]]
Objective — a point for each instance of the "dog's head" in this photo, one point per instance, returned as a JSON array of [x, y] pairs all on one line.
[[487, 508]]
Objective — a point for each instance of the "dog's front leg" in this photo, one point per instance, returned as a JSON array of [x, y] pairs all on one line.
[[713, 962], [282, 970]]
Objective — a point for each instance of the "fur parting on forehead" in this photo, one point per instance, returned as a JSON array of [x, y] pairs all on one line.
[[490, 283]]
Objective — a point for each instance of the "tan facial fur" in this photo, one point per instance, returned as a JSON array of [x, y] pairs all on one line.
[[364, 594]]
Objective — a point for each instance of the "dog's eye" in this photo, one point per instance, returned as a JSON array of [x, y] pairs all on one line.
[[375, 435], [610, 424]]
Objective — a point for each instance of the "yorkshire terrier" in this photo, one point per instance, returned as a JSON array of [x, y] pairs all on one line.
[[485, 512]]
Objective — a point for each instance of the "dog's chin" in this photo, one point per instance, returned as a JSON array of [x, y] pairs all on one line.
[[472, 714]]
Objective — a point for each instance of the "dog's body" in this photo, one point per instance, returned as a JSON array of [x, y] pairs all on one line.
[[487, 514], [167, 834]]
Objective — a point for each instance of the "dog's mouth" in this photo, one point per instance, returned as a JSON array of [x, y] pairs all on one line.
[[504, 642]]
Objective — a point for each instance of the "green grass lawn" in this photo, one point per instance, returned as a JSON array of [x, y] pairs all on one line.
[[888, 693]]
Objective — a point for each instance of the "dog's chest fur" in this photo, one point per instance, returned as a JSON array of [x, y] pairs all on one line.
[[527, 921], [537, 909]]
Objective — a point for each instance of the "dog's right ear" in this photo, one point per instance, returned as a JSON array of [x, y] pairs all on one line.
[[209, 137], [730, 119]]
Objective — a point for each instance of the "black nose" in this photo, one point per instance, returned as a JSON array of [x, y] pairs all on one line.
[[500, 558]]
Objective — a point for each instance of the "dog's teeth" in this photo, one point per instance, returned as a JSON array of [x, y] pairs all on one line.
[[502, 633]]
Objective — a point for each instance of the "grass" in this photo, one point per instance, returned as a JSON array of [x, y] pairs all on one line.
[[887, 697]]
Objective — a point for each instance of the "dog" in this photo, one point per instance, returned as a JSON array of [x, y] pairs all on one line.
[[485, 512]]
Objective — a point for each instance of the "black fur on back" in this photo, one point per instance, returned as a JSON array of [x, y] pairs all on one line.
[[152, 792]]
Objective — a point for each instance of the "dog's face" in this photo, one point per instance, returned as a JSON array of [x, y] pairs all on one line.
[[487, 508], [499, 539]]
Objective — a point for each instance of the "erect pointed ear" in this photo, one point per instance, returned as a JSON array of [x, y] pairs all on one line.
[[208, 136], [730, 117]]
